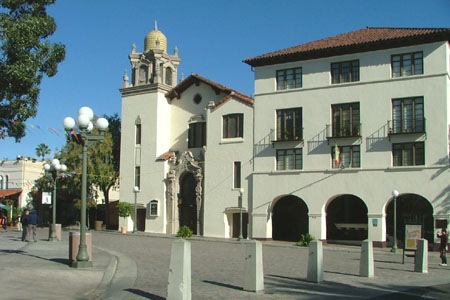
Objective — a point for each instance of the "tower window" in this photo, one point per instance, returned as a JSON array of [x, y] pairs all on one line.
[[197, 135], [168, 76]]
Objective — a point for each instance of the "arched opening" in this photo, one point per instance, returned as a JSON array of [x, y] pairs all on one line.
[[289, 219], [168, 76], [143, 70], [187, 202], [347, 219], [412, 209]]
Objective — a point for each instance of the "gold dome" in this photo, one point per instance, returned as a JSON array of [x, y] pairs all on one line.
[[152, 37]]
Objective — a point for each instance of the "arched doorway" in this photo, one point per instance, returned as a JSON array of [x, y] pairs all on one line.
[[412, 209], [289, 219], [187, 203], [347, 219]]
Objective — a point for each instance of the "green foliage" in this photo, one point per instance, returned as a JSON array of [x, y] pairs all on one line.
[[123, 209], [26, 56], [42, 150], [305, 240], [184, 232]]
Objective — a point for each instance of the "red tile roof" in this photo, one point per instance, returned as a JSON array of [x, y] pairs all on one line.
[[196, 79], [362, 40], [9, 192]]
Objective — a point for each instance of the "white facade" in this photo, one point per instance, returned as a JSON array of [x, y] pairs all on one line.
[[183, 179], [317, 183], [19, 176]]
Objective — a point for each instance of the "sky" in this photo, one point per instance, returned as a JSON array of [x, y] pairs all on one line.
[[212, 36]]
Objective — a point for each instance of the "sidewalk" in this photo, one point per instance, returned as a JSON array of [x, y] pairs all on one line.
[[41, 270]]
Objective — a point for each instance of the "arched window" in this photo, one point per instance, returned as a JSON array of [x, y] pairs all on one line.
[[143, 74], [6, 182], [168, 76], [1, 182]]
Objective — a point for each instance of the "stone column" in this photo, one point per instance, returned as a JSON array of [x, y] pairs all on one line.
[[421, 261], [254, 272], [315, 262], [198, 196], [179, 286], [366, 262]]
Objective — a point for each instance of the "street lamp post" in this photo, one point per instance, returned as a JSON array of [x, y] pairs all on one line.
[[85, 136], [53, 170], [241, 192], [395, 194], [135, 190]]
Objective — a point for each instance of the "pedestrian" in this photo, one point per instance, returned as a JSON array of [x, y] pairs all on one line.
[[4, 221], [32, 224], [443, 247], [24, 221], [19, 218]]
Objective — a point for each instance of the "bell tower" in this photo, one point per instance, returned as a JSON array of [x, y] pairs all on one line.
[[154, 66]]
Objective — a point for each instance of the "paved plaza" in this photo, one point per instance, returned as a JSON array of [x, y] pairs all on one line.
[[128, 266]]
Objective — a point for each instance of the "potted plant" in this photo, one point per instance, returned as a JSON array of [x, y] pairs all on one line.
[[184, 232], [124, 211]]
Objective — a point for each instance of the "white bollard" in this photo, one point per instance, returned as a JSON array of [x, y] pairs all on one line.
[[179, 286], [421, 263], [254, 273], [315, 262], [366, 262]]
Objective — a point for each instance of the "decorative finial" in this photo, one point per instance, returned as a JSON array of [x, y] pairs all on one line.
[[175, 51], [133, 49], [156, 25], [125, 80], [182, 76]]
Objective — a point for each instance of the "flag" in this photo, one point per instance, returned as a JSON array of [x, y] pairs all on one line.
[[337, 154]]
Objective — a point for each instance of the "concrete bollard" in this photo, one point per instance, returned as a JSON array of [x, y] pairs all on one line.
[[179, 286], [366, 262], [315, 262], [421, 263], [254, 273]]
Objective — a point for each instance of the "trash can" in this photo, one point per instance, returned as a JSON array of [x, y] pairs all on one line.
[[74, 244], [98, 225], [57, 229]]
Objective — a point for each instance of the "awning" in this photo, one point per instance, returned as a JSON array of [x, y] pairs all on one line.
[[234, 210], [5, 206], [9, 192]]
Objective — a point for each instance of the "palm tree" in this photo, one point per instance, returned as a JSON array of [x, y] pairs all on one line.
[[42, 150]]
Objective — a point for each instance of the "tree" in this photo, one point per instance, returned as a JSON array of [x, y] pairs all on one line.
[[26, 56], [42, 150]]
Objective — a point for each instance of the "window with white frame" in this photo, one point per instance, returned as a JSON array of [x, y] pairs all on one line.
[[408, 154], [345, 157], [233, 126], [407, 64], [290, 159], [408, 115]]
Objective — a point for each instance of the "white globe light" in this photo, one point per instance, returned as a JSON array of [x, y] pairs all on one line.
[[86, 111], [83, 121], [47, 167], [63, 168], [68, 123], [102, 124], [90, 126], [136, 189], [241, 191], [57, 167], [395, 193], [55, 162]]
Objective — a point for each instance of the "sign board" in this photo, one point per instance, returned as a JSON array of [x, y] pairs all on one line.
[[413, 233], [154, 208], [46, 198]]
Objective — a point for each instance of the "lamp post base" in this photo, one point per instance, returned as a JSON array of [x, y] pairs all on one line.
[[52, 239], [82, 264]]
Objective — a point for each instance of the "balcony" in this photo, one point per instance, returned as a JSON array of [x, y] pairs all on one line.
[[346, 131], [289, 135], [406, 126]]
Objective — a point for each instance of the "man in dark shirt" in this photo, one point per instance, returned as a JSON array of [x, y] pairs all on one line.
[[443, 247], [32, 223]]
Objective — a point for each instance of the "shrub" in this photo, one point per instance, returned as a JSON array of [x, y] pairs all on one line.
[[305, 240], [124, 209], [184, 232]]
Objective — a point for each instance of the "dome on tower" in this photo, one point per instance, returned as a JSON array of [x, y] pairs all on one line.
[[152, 39]]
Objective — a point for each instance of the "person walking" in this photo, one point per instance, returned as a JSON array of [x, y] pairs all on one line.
[[24, 221], [32, 224], [4, 221], [443, 246]]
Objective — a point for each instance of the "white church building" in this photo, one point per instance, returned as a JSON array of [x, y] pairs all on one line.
[[336, 127]]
